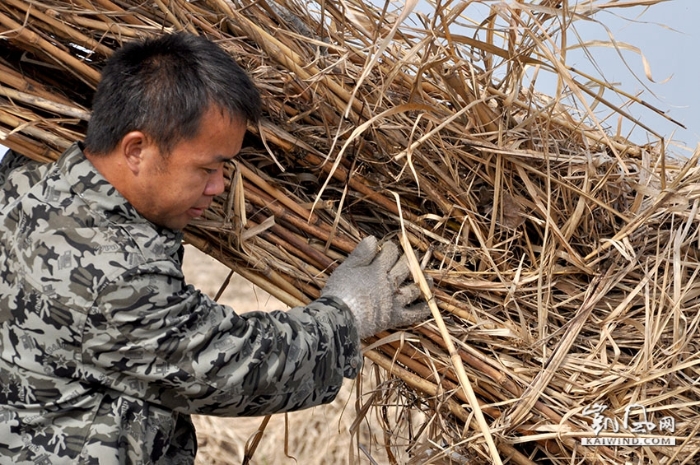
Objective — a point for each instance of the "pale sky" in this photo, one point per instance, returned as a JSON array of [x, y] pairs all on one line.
[[669, 37]]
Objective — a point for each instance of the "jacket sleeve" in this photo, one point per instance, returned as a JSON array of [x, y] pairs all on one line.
[[152, 337]]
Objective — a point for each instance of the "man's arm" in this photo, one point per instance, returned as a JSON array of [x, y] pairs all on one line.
[[154, 338]]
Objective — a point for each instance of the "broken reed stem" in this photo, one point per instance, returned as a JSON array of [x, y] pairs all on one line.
[[252, 444], [433, 390], [67, 61], [502, 377], [40, 102], [29, 148], [28, 128], [12, 78], [419, 277], [116, 11], [417, 363], [259, 198], [109, 28], [61, 27], [294, 206]]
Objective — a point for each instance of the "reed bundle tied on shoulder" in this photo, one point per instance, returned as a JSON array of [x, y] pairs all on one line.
[[564, 256]]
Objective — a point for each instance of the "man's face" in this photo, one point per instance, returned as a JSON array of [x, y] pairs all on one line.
[[178, 187]]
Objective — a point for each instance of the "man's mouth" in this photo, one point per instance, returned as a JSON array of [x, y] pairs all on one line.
[[196, 212]]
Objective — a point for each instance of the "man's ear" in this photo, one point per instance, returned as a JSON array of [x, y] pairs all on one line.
[[134, 148]]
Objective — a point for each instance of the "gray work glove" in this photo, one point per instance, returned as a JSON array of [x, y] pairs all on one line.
[[370, 282]]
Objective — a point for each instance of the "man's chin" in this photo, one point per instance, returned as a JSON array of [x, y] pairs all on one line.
[[178, 224], [174, 224]]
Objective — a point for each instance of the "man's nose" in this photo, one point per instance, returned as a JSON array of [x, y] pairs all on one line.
[[215, 184]]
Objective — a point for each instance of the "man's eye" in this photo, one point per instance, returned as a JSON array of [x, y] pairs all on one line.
[[211, 170]]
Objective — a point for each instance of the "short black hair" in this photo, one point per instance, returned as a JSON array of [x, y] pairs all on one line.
[[163, 86]]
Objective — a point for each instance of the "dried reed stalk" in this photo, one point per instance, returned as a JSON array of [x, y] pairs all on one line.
[[565, 257]]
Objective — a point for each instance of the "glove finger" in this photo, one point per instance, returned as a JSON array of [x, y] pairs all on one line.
[[363, 254], [397, 316], [387, 256], [406, 294], [410, 292], [405, 316], [399, 272]]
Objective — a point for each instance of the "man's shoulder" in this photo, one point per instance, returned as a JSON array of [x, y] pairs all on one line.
[[67, 224], [9, 162], [18, 174], [146, 243]]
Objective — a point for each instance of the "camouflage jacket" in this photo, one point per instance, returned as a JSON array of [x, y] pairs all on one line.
[[105, 351]]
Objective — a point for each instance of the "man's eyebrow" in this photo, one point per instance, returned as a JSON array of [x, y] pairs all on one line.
[[224, 158]]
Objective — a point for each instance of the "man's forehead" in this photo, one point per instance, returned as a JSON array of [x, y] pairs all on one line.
[[223, 158]]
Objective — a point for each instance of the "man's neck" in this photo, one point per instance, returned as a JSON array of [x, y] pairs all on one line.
[[109, 167]]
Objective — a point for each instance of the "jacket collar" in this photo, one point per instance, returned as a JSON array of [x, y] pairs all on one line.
[[100, 196]]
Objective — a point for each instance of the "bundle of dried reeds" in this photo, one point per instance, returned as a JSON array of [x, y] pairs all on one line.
[[564, 256]]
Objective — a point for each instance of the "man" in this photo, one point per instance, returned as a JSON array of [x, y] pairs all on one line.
[[104, 350]]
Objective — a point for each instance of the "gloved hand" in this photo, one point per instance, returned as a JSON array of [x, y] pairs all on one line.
[[370, 282]]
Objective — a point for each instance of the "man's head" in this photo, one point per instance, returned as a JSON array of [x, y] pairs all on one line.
[[163, 87], [168, 113]]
